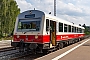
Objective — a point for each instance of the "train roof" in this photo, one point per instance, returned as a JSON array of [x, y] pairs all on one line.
[[54, 18], [62, 21]]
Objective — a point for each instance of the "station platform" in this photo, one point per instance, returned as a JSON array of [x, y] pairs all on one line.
[[82, 52], [5, 44]]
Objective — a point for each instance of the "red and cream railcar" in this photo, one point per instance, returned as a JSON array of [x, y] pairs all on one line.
[[36, 30]]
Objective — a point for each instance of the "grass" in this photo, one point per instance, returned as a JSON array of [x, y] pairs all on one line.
[[6, 38]]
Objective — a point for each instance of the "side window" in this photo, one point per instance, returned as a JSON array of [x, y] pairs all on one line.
[[47, 24], [65, 27], [75, 29], [78, 30], [72, 28], [82, 30], [60, 27], [69, 28]]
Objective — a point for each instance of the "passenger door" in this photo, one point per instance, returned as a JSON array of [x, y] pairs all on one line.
[[53, 33]]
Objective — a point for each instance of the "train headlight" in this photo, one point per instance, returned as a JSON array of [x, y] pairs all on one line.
[[36, 37], [18, 36], [26, 37]]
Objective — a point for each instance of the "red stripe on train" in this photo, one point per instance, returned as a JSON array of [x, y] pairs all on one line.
[[45, 38]]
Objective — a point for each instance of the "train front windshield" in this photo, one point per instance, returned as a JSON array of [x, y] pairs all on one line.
[[29, 25]]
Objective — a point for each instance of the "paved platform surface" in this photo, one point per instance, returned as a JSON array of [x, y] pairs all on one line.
[[5, 44], [80, 53]]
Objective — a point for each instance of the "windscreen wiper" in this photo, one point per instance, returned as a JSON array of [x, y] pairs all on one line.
[[26, 31]]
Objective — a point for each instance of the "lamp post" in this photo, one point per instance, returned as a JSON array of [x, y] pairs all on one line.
[[54, 7]]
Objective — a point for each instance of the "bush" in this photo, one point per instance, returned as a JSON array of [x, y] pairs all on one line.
[[87, 33], [1, 36]]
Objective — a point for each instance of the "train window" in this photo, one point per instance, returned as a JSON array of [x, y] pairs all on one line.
[[79, 30], [82, 30], [19, 25], [72, 28], [47, 24], [29, 25], [60, 27], [65, 27], [69, 28], [75, 29]]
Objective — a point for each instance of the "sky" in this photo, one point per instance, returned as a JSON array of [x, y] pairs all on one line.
[[76, 11]]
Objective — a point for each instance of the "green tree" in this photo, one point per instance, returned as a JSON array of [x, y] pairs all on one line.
[[8, 13]]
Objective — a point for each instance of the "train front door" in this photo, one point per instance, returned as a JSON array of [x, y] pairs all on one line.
[[52, 33]]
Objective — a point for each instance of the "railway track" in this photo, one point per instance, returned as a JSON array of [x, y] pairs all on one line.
[[28, 57], [6, 52], [6, 49], [12, 54]]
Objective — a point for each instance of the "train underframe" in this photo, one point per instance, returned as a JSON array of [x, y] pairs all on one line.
[[43, 48]]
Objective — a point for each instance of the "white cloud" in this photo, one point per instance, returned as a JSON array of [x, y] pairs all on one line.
[[76, 11], [23, 5]]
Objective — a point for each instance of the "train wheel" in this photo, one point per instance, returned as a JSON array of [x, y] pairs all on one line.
[[67, 43], [45, 51], [60, 45], [73, 41], [79, 39]]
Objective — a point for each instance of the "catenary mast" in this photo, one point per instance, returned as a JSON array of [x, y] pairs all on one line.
[[54, 7]]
